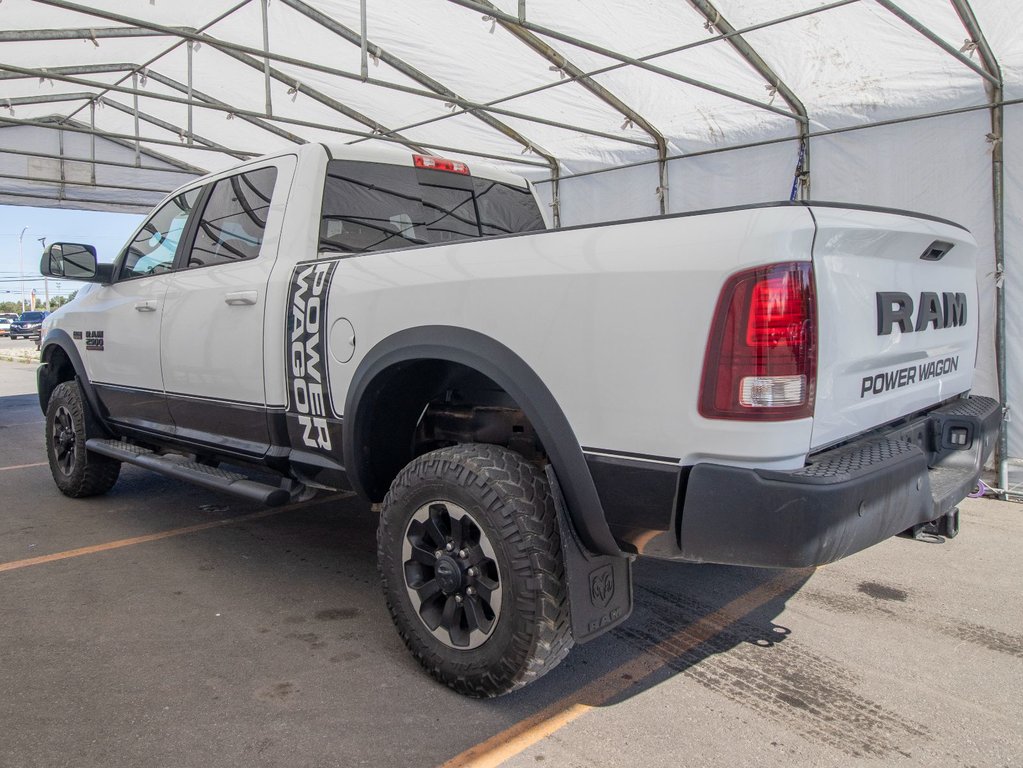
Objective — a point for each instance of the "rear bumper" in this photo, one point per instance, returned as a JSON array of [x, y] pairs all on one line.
[[843, 501]]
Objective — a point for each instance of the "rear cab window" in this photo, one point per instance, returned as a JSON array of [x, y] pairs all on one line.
[[378, 206]]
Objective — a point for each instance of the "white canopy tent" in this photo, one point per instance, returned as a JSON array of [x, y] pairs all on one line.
[[616, 108]]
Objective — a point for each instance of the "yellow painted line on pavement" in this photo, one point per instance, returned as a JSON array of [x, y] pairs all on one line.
[[121, 543], [23, 466], [524, 734]]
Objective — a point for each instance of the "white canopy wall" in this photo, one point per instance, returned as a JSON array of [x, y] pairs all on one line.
[[889, 101]]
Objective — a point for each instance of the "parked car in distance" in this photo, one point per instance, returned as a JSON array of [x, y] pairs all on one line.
[[28, 326], [5, 326]]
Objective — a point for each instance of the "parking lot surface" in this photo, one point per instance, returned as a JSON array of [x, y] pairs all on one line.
[[165, 625]]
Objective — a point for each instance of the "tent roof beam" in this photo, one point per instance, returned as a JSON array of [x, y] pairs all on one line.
[[559, 60], [951, 50], [177, 44], [229, 110], [489, 105], [74, 127], [260, 54], [169, 127], [82, 33], [331, 103], [399, 64], [97, 161], [714, 18], [415, 74], [509, 21]]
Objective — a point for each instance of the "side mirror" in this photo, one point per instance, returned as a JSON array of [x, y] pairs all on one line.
[[73, 261]]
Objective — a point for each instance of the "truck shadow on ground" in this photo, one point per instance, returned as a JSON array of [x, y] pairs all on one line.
[[709, 625]]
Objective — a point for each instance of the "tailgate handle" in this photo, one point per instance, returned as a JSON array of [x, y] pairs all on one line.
[[936, 250]]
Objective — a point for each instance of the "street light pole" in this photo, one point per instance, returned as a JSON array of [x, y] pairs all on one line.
[[21, 268], [46, 280]]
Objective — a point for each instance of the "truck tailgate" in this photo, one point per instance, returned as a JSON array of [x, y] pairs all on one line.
[[897, 317]]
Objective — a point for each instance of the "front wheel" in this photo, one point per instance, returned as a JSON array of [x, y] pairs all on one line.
[[76, 471], [470, 557]]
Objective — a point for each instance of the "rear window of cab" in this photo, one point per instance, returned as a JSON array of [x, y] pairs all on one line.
[[378, 206]]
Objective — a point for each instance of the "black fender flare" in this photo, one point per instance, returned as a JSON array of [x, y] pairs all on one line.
[[509, 371], [57, 338]]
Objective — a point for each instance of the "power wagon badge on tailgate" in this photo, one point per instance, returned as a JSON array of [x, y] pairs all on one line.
[[311, 419]]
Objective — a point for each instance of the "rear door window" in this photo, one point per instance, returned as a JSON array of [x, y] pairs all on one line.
[[232, 223]]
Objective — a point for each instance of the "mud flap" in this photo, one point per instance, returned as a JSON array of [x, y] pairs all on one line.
[[599, 586]]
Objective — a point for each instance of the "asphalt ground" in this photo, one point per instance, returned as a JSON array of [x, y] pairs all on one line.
[[165, 625]]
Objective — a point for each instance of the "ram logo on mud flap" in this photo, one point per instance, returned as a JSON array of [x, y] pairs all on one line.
[[311, 419], [602, 586]]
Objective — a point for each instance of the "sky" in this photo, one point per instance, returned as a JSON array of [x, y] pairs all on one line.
[[106, 231]]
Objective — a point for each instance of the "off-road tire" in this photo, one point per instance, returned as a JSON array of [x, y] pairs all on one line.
[[510, 501], [69, 423]]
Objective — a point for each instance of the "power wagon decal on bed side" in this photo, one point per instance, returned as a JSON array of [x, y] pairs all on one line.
[[312, 421]]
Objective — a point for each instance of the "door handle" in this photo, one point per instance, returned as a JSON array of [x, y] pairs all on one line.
[[240, 298], [145, 306]]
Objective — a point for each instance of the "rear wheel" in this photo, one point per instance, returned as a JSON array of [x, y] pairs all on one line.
[[77, 471], [471, 563]]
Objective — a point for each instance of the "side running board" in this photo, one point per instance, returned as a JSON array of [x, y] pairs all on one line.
[[199, 474]]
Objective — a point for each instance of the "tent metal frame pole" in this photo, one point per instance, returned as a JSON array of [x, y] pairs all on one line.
[[714, 18], [236, 111], [60, 150], [937, 39], [63, 181], [92, 140], [189, 94], [164, 125], [465, 105], [264, 14], [51, 74], [564, 65], [124, 142], [380, 130], [49, 98], [425, 80], [96, 33], [489, 105], [135, 111], [783, 139], [225, 46], [328, 101], [133, 204], [363, 40], [176, 45], [103, 101], [54, 73], [92, 159], [126, 137], [486, 8], [996, 94], [170, 82]]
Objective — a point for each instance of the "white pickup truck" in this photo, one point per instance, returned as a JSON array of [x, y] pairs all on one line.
[[773, 385]]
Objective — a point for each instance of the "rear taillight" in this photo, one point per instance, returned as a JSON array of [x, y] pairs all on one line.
[[440, 164], [761, 360]]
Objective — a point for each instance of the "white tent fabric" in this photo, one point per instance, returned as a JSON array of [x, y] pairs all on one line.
[[895, 94]]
